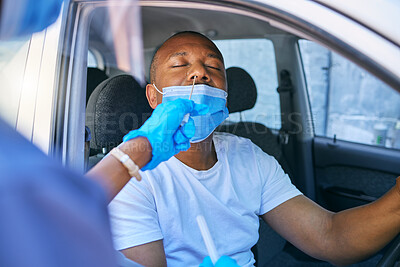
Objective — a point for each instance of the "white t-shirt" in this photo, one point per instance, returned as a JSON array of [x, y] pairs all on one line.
[[244, 183]]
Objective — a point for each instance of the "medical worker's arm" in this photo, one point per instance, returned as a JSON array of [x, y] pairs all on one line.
[[160, 138], [341, 238]]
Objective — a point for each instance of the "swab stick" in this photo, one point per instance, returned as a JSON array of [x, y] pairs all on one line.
[[212, 251], [186, 117]]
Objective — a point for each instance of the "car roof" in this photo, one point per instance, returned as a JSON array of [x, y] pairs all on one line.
[[165, 21], [380, 16]]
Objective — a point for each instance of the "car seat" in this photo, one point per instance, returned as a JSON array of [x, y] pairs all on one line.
[[242, 95], [94, 77], [115, 107]]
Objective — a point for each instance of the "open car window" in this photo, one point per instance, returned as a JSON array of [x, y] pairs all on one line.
[[348, 102]]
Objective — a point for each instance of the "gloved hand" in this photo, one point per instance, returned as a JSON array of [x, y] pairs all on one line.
[[224, 261], [29, 17], [164, 131]]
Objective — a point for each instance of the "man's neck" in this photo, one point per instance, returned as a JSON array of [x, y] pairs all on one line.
[[200, 156]]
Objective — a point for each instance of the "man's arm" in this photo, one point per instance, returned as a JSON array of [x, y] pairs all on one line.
[[149, 255], [340, 238]]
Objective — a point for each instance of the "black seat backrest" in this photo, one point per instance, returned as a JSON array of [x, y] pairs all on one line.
[[115, 107]]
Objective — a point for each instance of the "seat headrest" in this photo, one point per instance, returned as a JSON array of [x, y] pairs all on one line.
[[242, 91], [115, 107], [94, 77]]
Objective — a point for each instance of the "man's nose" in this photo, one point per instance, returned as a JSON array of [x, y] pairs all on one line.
[[199, 71]]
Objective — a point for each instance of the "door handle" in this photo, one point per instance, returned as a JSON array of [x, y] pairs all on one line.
[[350, 193]]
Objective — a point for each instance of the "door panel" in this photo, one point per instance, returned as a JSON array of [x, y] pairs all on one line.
[[349, 174]]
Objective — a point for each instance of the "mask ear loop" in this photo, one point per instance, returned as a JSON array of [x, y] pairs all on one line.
[[158, 90]]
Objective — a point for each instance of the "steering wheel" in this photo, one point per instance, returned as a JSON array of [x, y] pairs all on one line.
[[392, 255]]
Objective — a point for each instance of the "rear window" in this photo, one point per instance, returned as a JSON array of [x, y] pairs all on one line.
[[257, 57]]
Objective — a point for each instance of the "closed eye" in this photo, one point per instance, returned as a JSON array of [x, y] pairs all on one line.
[[177, 66], [212, 67]]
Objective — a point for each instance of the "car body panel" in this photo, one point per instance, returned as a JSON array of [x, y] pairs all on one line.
[[36, 104]]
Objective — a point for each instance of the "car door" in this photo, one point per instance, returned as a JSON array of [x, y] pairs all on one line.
[[356, 148], [110, 31], [340, 117]]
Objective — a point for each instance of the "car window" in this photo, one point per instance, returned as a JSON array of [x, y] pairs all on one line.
[[13, 55], [257, 57], [91, 61], [348, 102]]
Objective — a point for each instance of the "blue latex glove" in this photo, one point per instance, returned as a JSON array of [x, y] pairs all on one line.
[[164, 131], [39, 14], [224, 261], [27, 17]]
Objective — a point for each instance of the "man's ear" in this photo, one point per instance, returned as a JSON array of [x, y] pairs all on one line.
[[151, 95]]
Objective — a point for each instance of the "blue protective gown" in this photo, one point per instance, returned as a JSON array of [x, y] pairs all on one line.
[[49, 216]]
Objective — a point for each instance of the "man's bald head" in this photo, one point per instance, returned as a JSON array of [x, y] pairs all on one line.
[[155, 60]]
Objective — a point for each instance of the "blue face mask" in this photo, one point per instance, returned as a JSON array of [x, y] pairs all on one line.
[[213, 97]]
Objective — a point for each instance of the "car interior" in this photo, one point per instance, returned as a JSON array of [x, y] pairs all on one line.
[[336, 174]]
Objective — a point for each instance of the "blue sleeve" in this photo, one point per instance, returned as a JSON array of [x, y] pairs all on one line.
[[49, 216]]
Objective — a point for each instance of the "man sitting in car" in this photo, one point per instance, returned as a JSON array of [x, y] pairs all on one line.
[[230, 181]]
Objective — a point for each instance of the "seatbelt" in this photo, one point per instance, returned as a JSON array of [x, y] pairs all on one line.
[[88, 137], [285, 91]]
